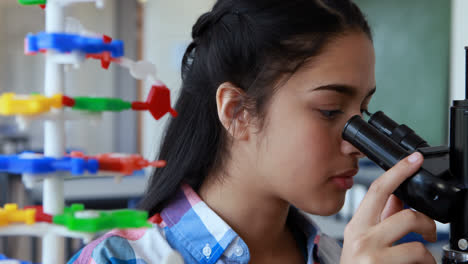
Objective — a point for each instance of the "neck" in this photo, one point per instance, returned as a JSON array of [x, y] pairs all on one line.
[[257, 217]]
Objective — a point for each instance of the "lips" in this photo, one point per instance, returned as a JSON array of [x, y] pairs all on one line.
[[348, 173], [344, 181]]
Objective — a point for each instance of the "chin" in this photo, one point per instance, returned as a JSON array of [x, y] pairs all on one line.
[[324, 208], [329, 211]]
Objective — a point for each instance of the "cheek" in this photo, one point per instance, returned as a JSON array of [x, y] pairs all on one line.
[[298, 154], [298, 145]]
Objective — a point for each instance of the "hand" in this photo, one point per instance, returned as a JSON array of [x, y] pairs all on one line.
[[380, 221]]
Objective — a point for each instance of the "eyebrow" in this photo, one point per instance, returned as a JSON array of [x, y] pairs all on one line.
[[343, 89]]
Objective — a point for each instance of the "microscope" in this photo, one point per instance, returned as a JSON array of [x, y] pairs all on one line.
[[439, 188]]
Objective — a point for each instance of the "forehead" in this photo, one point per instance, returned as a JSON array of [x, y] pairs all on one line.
[[347, 60]]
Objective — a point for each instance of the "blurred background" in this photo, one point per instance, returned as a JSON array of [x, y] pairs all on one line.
[[420, 68]]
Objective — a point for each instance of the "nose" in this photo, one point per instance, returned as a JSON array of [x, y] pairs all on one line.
[[348, 149]]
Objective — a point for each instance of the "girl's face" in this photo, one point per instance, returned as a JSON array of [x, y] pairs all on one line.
[[301, 155]]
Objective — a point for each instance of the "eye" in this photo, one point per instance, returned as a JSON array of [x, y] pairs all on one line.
[[330, 113]]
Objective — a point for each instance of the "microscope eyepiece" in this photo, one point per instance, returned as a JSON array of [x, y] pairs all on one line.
[[372, 143], [401, 134], [428, 190]]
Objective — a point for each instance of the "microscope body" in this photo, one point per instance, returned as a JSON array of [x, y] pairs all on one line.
[[457, 252], [438, 188]]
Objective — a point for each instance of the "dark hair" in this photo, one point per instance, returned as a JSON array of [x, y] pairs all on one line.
[[251, 44]]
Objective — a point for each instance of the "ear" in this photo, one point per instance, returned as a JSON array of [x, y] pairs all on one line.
[[231, 111]]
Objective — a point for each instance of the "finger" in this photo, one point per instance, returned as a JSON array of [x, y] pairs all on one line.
[[409, 253], [370, 209], [398, 225], [393, 206]]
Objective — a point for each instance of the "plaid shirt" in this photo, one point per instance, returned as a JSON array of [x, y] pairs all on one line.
[[188, 226]]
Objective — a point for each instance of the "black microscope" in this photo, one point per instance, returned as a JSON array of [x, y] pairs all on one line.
[[439, 188]]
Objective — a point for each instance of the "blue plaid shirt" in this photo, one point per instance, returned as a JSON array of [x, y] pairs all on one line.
[[188, 226]]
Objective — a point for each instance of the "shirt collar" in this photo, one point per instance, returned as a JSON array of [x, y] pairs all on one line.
[[202, 233]]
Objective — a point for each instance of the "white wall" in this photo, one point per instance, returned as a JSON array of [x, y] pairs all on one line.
[[167, 32], [457, 56]]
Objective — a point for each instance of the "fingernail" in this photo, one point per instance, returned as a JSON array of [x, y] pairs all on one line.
[[414, 157]]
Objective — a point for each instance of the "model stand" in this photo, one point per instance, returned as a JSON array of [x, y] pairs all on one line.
[[53, 221]]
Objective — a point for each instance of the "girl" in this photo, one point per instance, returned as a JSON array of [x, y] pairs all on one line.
[[268, 86]]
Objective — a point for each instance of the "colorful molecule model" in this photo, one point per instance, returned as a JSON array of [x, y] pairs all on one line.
[[12, 104], [11, 214], [78, 219]]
